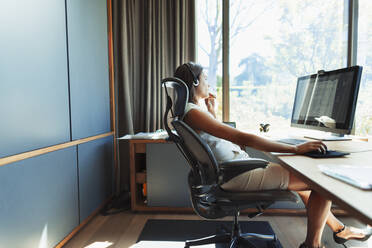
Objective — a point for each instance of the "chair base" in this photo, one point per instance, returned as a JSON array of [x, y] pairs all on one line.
[[235, 238], [244, 240]]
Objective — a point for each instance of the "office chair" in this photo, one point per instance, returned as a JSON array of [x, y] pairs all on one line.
[[206, 176]]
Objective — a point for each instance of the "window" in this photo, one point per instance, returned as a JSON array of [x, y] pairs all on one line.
[[209, 16], [272, 43], [364, 58]]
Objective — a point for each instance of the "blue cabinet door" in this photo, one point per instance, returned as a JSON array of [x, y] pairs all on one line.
[[34, 102], [88, 65], [39, 200], [95, 162]]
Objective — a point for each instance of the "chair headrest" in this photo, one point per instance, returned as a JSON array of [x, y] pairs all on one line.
[[181, 94]]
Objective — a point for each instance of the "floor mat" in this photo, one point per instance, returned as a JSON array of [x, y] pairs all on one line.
[[161, 233]]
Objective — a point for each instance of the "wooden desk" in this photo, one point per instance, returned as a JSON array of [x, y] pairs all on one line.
[[355, 201]]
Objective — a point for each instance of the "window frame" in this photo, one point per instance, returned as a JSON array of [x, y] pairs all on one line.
[[352, 42]]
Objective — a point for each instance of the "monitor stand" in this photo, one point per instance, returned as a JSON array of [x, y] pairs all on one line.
[[328, 137]]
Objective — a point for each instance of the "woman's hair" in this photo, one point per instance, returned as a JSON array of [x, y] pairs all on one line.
[[189, 73]]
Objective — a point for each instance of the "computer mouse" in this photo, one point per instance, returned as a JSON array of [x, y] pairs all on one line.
[[317, 152]]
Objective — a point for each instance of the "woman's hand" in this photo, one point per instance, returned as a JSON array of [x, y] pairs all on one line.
[[210, 102], [311, 146]]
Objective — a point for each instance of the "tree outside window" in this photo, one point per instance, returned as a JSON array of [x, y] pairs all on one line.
[[272, 43]]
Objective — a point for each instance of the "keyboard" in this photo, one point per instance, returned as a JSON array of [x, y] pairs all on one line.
[[328, 154], [291, 141]]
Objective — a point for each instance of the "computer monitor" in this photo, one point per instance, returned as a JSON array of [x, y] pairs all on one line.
[[326, 101]]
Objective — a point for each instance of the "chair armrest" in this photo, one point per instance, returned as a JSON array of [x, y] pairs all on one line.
[[232, 168]]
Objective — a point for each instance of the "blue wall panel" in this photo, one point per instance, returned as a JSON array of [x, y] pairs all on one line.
[[88, 60], [39, 200], [95, 162], [34, 107]]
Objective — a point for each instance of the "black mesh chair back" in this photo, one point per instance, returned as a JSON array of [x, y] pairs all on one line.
[[177, 96], [199, 154], [205, 164], [203, 176]]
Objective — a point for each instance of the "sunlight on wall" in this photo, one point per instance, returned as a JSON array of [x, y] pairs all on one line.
[[43, 243], [99, 244]]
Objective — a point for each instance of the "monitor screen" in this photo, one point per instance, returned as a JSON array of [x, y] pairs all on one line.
[[326, 101]]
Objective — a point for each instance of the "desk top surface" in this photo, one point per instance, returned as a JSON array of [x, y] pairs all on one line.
[[356, 201]]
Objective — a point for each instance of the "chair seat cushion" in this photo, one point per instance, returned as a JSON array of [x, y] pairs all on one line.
[[236, 198]]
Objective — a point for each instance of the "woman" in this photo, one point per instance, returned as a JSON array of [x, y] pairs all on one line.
[[225, 143]]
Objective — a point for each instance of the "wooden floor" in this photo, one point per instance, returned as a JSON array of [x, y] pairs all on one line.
[[122, 230]]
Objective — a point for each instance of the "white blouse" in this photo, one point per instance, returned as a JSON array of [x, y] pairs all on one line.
[[222, 149]]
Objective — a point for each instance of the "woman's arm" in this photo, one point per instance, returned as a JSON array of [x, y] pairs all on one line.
[[200, 121]]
